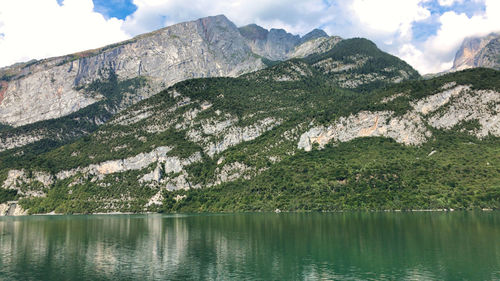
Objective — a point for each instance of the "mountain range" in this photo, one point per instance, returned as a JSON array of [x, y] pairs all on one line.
[[206, 116]]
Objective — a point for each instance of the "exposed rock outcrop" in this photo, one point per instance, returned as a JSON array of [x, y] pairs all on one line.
[[277, 44], [315, 46], [206, 47], [137, 162], [443, 110], [478, 52], [227, 136], [11, 208], [232, 171], [407, 129], [481, 106], [28, 185]]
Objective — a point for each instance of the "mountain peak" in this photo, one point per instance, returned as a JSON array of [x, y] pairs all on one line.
[[314, 34], [478, 52], [276, 43], [254, 32]]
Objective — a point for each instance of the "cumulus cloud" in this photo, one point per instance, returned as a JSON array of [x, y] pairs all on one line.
[[437, 52], [43, 28], [378, 18]]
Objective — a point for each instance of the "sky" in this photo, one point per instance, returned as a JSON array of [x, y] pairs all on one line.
[[425, 33]]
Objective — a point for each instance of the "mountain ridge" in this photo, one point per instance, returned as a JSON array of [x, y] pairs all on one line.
[[32, 94], [339, 125], [86, 68], [196, 145], [478, 51]]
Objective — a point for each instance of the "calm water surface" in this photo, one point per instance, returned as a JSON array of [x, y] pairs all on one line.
[[340, 246]]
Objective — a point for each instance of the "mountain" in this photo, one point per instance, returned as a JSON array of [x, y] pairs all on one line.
[[294, 136], [59, 99], [277, 44], [54, 87], [478, 52]]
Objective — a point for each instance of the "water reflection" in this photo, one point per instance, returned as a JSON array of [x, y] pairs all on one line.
[[351, 246]]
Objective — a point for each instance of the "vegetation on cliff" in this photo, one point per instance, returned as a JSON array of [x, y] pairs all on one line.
[[265, 170]]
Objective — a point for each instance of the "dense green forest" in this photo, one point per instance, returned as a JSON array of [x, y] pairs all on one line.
[[364, 174], [453, 169]]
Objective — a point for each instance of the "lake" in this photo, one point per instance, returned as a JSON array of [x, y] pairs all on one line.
[[256, 246]]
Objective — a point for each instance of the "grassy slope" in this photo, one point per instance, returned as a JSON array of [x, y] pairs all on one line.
[[371, 173]]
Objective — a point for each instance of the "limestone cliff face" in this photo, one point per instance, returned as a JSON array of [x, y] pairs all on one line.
[[209, 47], [479, 52], [12, 209], [446, 109], [51, 88], [276, 44], [314, 46]]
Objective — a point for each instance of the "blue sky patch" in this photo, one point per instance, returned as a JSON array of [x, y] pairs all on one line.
[[429, 27], [422, 30], [468, 7], [114, 8]]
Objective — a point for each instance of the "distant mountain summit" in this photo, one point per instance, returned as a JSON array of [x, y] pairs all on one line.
[[276, 44], [87, 88], [338, 125], [207, 47], [478, 52]]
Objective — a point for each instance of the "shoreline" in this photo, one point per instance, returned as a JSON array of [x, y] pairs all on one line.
[[275, 212]]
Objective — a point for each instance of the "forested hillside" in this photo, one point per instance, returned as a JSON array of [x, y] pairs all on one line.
[[297, 136]]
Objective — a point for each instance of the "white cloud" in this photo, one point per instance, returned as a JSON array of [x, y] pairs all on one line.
[[41, 28], [449, 2], [389, 17], [425, 62], [439, 50]]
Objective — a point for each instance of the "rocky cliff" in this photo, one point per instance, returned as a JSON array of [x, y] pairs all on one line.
[[204, 141], [53, 87], [276, 44], [443, 110], [478, 52], [87, 88], [340, 126]]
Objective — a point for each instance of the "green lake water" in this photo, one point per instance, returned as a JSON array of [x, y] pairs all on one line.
[[286, 246]]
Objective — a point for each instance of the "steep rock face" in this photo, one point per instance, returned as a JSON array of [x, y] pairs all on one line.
[[478, 52], [52, 88], [276, 44], [42, 95], [489, 56], [407, 129], [451, 107], [12, 209], [315, 46]]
